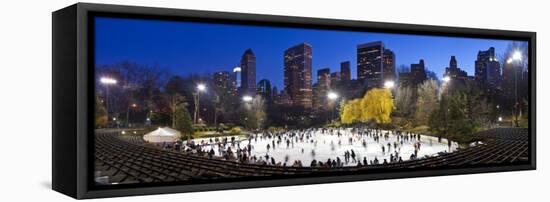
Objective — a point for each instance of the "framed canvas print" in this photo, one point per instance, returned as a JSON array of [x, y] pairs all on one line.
[[154, 100]]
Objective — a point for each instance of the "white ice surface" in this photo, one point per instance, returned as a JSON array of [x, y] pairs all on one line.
[[326, 146]]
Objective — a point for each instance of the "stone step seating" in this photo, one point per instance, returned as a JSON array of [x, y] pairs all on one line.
[[148, 164], [505, 146], [126, 159]]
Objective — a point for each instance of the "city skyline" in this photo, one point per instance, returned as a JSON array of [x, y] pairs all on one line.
[[117, 40], [206, 102]]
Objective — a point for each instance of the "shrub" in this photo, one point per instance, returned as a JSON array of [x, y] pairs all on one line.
[[235, 131]]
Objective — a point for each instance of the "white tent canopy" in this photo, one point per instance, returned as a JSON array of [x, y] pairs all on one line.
[[163, 134]]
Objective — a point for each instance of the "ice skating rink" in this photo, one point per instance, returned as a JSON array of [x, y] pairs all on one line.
[[321, 146]]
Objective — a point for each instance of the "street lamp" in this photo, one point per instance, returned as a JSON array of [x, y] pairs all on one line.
[[237, 76], [446, 79], [116, 122], [516, 57], [107, 81], [332, 96], [200, 88], [247, 98], [389, 84]]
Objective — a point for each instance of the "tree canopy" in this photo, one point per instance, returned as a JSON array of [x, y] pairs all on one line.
[[377, 105], [426, 102]]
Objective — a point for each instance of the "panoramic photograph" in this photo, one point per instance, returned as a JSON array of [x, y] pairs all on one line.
[[197, 102]]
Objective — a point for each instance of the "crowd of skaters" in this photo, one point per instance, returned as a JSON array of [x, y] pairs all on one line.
[[241, 149]]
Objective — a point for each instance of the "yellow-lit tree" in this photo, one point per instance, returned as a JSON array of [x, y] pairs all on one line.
[[351, 111], [376, 105]]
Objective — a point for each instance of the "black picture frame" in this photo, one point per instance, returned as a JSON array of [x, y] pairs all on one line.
[[73, 76]]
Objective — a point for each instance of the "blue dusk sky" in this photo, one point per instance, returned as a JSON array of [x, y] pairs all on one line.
[[186, 47]]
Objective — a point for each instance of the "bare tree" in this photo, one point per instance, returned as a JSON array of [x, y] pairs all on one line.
[[255, 112], [405, 101], [426, 102]]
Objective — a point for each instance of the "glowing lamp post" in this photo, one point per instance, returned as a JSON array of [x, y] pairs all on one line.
[[247, 98], [446, 79], [107, 81], [332, 96], [200, 88], [389, 84], [516, 57]]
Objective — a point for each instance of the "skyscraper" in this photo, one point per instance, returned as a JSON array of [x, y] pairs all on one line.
[[375, 64], [345, 73], [248, 72], [323, 78], [406, 79], [223, 81], [297, 72], [494, 76], [418, 72], [264, 89], [389, 65], [369, 61], [454, 72], [284, 99], [487, 68], [321, 88], [274, 93], [335, 77]]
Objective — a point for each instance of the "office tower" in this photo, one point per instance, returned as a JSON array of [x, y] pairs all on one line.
[[284, 99], [274, 92], [345, 73], [264, 89], [335, 77], [248, 72], [297, 73], [323, 78], [375, 64], [223, 82], [321, 88], [370, 63], [487, 68], [418, 73], [454, 72], [389, 65]]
